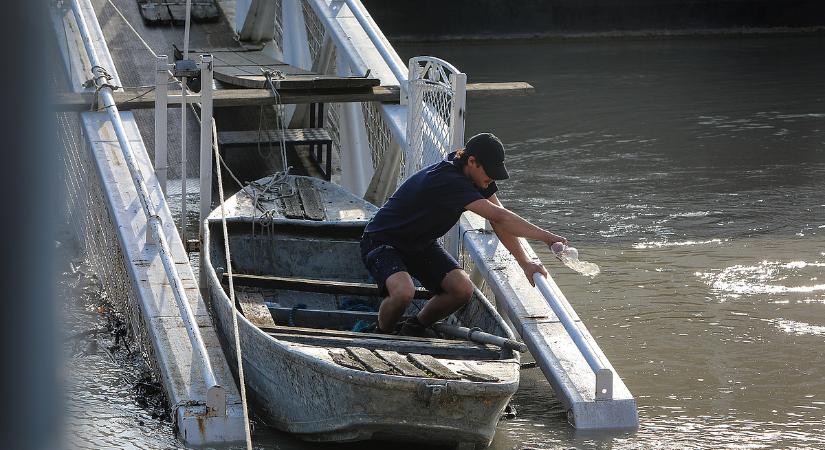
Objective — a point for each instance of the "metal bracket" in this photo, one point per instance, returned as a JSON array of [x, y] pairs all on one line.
[[150, 238], [604, 384], [216, 401]]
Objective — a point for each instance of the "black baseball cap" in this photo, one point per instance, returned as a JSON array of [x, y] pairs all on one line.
[[489, 152]]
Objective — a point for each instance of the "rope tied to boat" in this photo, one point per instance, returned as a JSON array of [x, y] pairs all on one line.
[[241, 379], [99, 81], [279, 113]]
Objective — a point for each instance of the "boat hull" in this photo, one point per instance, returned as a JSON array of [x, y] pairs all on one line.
[[298, 387], [325, 402]]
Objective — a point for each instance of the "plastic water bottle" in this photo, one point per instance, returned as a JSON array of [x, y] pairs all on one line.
[[570, 257]]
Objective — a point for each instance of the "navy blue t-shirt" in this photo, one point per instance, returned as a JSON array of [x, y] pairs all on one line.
[[426, 206]]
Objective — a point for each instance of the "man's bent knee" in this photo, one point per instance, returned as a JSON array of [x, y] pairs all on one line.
[[400, 288], [458, 285], [465, 292]]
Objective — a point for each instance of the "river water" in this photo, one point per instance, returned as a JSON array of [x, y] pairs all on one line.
[[692, 171]]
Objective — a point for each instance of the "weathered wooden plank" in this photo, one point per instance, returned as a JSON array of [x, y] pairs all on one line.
[[253, 308], [474, 375], [313, 285], [512, 88], [170, 11], [134, 98], [296, 136], [370, 361], [243, 67], [251, 77], [452, 349], [343, 359], [400, 363], [429, 364], [292, 207], [250, 60], [313, 208], [359, 335]]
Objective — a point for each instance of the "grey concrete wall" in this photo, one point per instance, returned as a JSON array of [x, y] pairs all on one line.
[[473, 18]]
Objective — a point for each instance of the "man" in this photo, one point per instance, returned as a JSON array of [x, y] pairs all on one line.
[[399, 243]]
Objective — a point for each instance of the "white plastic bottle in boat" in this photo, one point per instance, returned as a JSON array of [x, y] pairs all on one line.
[[570, 257]]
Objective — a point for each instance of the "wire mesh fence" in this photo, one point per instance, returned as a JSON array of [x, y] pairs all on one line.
[[430, 121], [315, 30], [88, 214], [379, 136]]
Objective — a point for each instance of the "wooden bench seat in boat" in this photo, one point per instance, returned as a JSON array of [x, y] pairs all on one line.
[[402, 344], [315, 285]]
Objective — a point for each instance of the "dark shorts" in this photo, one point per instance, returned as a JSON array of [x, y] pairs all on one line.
[[429, 266]]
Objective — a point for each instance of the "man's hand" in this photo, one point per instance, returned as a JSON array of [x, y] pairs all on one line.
[[553, 238], [531, 267]]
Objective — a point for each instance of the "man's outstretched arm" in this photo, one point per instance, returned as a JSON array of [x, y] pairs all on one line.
[[510, 222], [504, 227]]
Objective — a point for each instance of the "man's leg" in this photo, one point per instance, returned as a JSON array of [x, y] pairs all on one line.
[[458, 289], [401, 290]]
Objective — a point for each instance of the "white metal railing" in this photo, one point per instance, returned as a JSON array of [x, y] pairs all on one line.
[[558, 303], [343, 42], [215, 397], [436, 105], [378, 39]]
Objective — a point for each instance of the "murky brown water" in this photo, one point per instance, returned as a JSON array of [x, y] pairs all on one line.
[[693, 173]]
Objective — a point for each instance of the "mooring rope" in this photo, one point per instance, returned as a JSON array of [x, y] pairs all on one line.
[[241, 380], [279, 114]]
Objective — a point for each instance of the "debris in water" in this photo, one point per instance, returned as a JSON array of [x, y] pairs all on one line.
[[509, 412]]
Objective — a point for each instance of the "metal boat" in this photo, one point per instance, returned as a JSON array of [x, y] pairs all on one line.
[[301, 287]]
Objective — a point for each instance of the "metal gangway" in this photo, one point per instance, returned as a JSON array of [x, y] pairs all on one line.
[[146, 262], [384, 142]]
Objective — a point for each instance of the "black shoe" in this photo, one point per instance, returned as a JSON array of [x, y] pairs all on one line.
[[365, 326], [412, 327]]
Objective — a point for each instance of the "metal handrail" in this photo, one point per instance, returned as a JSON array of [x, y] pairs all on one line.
[[378, 39], [557, 302], [153, 221]]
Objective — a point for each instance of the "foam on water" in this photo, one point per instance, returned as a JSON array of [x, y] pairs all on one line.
[[569, 256]]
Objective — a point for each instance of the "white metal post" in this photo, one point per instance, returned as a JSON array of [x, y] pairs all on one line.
[[183, 161], [412, 74], [459, 83], [356, 162], [183, 105], [161, 138], [206, 149], [459, 105]]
